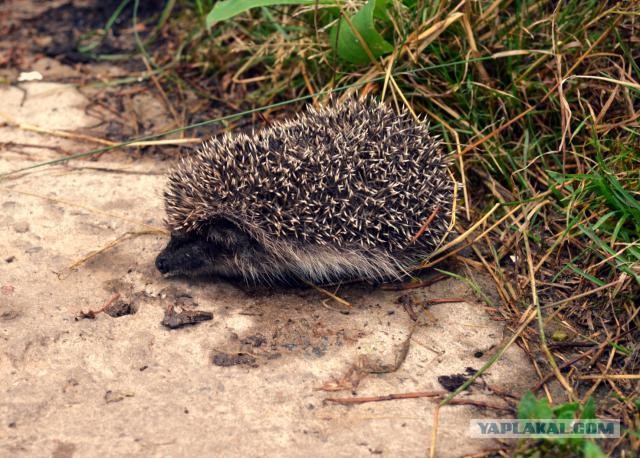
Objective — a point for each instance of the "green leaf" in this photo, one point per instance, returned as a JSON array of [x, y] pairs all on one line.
[[226, 9], [347, 43], [567, 411], [543, 410], [531, 408], [527, 406], [589, 410], [591, 450], [582, 273], [622, 349]]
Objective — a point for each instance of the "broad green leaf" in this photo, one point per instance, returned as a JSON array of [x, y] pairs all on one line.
[[226, 9], [347, 43]]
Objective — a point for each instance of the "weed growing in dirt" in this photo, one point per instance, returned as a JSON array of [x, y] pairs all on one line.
[[531, 408]]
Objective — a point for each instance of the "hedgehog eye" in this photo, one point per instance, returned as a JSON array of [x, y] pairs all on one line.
[[227, 233]]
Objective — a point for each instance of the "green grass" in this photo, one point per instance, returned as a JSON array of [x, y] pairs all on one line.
[[531, 408]]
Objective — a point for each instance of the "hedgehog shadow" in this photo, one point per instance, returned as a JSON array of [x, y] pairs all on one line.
[[285, 322]]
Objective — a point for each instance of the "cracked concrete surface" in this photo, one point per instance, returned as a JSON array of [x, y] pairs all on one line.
[[127, 386]]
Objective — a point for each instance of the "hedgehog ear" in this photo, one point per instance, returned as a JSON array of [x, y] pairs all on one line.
[[226, 232]]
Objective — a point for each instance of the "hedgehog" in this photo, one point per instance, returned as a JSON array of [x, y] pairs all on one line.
[[348, 191]]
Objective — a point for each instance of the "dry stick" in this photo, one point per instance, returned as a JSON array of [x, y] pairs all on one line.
[[454, 209], [625, 399], [408, 307], [498, 283], [426, 224], [468, 231], [92, 313], [466, 24], [168, 141], [586, 293], [546, 96], [388, 397], [604, 371], [388, 76], [483, 17], [470, 243], [610, 377], [307, 81], [329, 293], [536, 303], [433, 32], [573, 344], [627, 84], [496, 451], [414, 395], [527, 317], [608, 127], [421, 284], [618, 253], [404, 99], [387, 73], [536, 366], [445, 300], [462, 236], [628, 402], [486, 405], [496, 27], [434, 431], [59, 133]]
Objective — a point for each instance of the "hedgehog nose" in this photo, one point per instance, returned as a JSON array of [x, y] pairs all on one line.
[[162, 265]]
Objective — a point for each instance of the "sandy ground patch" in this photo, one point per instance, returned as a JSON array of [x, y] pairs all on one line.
[[251, 381]]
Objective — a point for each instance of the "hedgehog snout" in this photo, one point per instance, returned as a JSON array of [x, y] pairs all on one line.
[[183, 255], [171, 263], [162, 264]]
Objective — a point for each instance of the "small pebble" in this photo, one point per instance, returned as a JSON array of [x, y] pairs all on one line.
[[21, 227]]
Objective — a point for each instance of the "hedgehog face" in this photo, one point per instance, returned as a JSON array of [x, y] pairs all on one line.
[[222, 249], [186, 254]]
